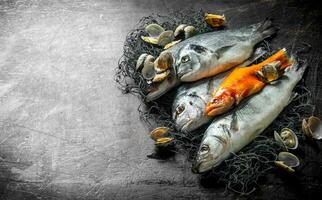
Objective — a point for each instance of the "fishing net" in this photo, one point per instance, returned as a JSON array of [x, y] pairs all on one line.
[[241, 172]]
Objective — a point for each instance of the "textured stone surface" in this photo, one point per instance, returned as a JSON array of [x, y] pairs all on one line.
[[67, 132]]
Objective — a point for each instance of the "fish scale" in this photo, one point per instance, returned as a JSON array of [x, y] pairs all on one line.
[[253, 116]]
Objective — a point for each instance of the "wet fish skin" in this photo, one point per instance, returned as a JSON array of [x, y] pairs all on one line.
[[213, 53], [191, 101], [236, 129], [191, 98], [212, 47]]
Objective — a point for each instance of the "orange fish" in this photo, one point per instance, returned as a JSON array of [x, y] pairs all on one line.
[[245, 81]]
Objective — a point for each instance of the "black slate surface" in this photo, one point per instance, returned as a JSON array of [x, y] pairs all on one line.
[[67, 132]]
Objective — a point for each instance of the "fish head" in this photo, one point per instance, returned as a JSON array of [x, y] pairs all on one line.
[[221, 103], [213, 150], [188, 112], [193, 62]]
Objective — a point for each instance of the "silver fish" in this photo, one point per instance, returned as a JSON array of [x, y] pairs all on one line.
[[208, 54], [188, 108], [236, 129]]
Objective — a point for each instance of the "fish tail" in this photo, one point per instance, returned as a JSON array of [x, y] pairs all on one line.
[[280, 56], [273, 67], [265, 30]]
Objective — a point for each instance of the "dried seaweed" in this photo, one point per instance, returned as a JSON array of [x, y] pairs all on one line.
[[240, 173]]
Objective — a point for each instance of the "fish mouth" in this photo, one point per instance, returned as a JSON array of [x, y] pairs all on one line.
[[201, 166], [183, 74], [185, 127]]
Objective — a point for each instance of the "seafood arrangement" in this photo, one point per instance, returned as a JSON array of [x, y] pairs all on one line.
[[222, 82]]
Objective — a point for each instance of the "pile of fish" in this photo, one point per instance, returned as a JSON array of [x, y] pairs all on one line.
[[217, 83]]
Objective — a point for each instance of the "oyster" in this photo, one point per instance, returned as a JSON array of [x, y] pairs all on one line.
[[215, 20], [312, 128], [159, 132], [287, 161], [287, 138]]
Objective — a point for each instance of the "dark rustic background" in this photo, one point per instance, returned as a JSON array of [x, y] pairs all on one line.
[[67, 132]]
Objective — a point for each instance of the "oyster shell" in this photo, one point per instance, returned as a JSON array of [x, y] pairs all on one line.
[[312, 128], [159, 132]]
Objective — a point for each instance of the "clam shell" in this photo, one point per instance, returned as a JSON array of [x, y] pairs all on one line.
[[165, 38], [154, 30], [164, 141], [288, 159], [171, 44], [215, 20], [140, 61], [151, 40], [160, 77], [312, 128], [278, 138], [159, 132], [163, 62], [289, 138], [282, 165], [148, 71], [189, 31], [179, 32]]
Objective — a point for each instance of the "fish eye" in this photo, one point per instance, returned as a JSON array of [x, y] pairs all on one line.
[[185, 59], [205, 148], [190, 102], [180, 109]]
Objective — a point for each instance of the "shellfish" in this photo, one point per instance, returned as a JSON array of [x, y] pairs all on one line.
[[287, 138], [158, 133], [287, 161], [215, 20], [312, 128]]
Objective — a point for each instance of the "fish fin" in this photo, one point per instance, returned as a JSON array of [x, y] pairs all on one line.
[[219, 52], [199, 49], [259, 52], [234, 122], [265, 30]]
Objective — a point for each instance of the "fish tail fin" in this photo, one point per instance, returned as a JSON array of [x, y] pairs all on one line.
[[265, 30]]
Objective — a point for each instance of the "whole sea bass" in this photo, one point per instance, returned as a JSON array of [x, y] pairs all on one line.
[[188, 108], [236, 129], [208, 54]]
